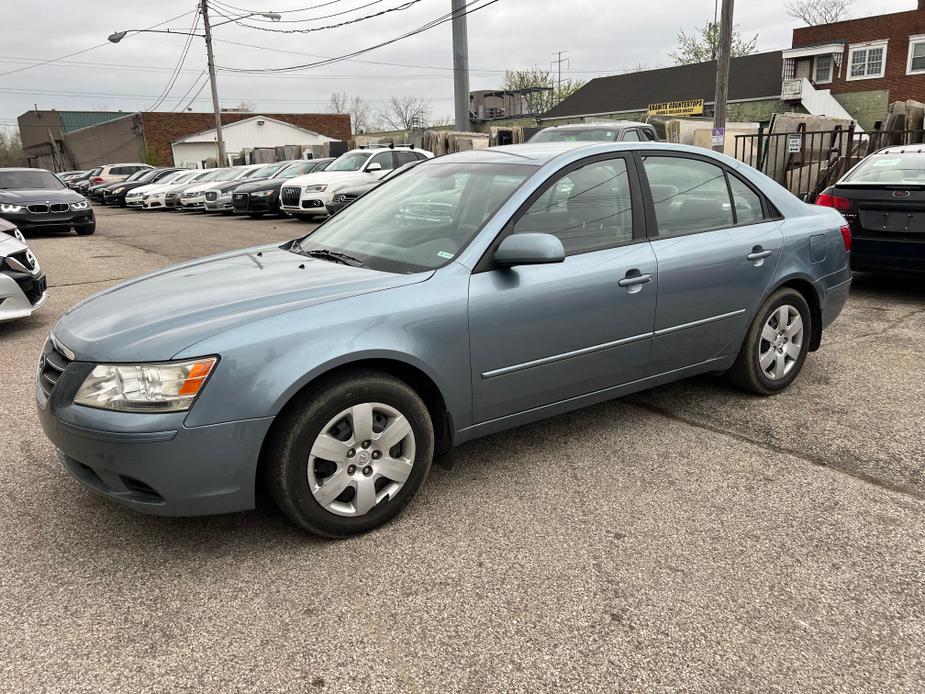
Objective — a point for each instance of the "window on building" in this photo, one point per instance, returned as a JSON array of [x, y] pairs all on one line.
[[823, 68], [916, 64], [866, 61]]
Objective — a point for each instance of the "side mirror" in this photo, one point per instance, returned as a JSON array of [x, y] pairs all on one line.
[[529, 249], [373, 167]]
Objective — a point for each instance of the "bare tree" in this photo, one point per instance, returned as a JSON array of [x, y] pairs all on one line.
[[242, 107], [11, 153], [405, 113], [357, 108], [702, 45], [548, 92], [814, 12]]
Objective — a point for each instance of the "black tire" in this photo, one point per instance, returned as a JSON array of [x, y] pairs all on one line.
[[255, 215], [747, 372], [86, 229], [286, 454]]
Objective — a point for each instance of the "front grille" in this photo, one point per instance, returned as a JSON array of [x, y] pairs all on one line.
[[60, 207], [52, 364], [239, 201], [37, 209], [338, 199], [211, 196], [20, 261], [290, 196], [312, 203]]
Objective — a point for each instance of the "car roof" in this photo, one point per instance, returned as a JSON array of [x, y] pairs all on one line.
[[539, 153], [616, 124], [914, 148]]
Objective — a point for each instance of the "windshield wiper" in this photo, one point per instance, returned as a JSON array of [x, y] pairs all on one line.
[[325, 254]]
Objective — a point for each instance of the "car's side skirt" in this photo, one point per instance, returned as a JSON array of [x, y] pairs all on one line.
[[544, 411]]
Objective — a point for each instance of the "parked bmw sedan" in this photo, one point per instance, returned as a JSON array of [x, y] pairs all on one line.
[[257, 198], [35, 199], [883, 199], [477, 292]]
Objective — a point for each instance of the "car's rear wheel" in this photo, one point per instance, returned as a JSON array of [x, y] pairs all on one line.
[[350, 454], [776, 344]]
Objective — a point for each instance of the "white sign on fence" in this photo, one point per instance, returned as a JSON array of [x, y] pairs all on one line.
[[794, 143]]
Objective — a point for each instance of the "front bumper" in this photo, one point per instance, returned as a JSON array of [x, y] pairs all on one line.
[[21, 298], [192, 204], [152, 463], [245, 203], [221, 204], [50, 220]]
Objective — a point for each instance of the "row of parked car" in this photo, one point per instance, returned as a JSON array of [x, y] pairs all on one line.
[[298, 188]]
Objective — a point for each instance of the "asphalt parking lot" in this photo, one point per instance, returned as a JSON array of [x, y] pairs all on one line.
[[688, 538]]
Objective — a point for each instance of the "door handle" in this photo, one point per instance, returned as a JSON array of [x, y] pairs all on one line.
[[634, 278], [758, 253]]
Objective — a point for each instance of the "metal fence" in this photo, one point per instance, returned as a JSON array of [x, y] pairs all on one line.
[[805, 162]]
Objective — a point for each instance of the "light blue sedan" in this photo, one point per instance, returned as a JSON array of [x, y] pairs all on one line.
[[476, 292]]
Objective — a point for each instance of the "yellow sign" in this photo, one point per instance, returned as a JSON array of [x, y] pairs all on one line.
[[691, 107]]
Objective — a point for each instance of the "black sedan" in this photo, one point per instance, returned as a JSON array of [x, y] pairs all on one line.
[[36, 199], [883, 199], [262, 197], [114, 193]]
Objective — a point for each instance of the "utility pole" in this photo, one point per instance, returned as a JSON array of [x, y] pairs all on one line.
[[559, 60], [722, 77], [220, 141], [460, 65]]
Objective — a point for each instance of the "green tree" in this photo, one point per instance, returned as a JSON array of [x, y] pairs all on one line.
[[550, 93], [702, 45]]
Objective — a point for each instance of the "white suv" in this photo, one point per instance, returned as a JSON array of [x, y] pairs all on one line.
[[307, 196], [114, 173]]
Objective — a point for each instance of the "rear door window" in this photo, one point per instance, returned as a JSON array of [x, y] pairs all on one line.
[[689, 195]]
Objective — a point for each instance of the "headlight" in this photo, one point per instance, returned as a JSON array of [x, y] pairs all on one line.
[[118, 190], [9, 207], [167, 387], [82, 205], [315, 189], [262, 194]]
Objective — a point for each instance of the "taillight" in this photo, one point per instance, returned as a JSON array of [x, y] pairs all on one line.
[[839, 203], [96, 179], [846, 237]]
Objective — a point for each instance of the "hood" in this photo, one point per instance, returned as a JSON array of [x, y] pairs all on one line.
[[156, 316], [40, 194], [261, 184], [329, 178], [151, 187]]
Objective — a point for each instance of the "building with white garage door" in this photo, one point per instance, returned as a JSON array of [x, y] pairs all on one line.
[[257, 132]]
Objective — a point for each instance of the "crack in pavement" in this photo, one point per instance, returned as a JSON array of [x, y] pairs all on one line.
[[878, 333], [813, 460]]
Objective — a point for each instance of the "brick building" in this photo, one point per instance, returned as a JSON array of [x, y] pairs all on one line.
[[864, 63], [61, 140]]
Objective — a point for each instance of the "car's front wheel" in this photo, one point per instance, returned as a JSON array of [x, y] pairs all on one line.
[[350, 454], [776, 344], [86, 229]]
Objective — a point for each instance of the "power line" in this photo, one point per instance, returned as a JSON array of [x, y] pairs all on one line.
[[247, 15], [425, 27], [346, 22], [176, 73], [87, 50], [195, 82]]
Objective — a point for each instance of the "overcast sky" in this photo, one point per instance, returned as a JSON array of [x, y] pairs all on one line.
[[600, 37]]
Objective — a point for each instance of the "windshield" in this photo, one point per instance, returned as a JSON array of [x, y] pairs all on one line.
[[420, 220], [351, 161], [576, 135], [297, 169], [37, 179], [898, 169], [266, 171], [137, 175], [173, 177], [147, 176]]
